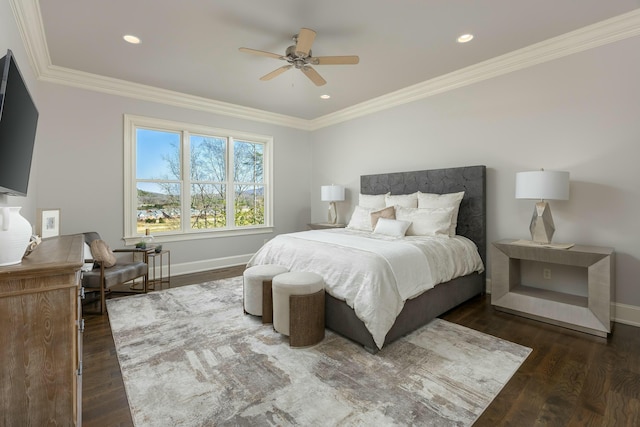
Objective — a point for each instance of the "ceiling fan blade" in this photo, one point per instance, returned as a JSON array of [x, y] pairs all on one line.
[[334, 60], [275, 73], [305, 40], [260, 52], [313, 75]]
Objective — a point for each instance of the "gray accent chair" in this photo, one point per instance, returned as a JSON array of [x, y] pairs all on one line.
[[102, 279]]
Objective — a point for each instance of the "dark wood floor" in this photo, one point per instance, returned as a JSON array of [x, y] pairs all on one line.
[[570, 378]]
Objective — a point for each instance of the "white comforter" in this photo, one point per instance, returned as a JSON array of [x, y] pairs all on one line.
[[374, 274]]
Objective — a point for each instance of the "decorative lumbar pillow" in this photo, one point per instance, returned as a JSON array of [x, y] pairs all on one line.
[[102, 253], [375, 201], [391, 227], [389, 213], [361, 219], [427, 221], [431, 200], [404, 200]]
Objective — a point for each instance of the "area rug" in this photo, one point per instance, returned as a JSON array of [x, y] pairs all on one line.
[[190, 357]]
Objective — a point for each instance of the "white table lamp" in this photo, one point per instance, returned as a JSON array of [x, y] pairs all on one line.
[[542, 185], [332, 194]]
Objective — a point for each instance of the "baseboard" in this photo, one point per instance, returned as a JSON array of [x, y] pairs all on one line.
[[622, 313], [626, 314], [208, 264]]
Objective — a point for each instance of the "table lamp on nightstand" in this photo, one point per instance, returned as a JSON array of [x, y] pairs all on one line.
[[332, 194], [542, 185]]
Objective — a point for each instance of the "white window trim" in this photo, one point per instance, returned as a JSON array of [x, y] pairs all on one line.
[[131, 122]]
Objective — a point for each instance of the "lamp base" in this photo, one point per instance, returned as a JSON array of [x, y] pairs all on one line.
[[542, 227], [332, 216]]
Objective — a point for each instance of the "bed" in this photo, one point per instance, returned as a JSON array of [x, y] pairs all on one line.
[[316, 251]]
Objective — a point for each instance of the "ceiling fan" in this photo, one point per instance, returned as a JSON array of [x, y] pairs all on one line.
[[299, 56]]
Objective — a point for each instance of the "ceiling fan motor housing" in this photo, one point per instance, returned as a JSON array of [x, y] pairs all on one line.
[[296, 60]]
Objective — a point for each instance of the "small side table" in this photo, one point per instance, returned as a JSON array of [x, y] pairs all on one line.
[[590, 313], [324, 226], [160, 279]]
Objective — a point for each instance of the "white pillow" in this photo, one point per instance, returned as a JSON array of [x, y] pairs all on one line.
[[375, 201], [404, 200], [431, 200], [427, 221], [361, 219], [391, 227]]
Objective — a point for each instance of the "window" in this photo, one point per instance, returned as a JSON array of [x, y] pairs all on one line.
[[187, 181]]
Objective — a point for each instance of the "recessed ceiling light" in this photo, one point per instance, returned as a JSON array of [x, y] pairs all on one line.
[[325, 96], [465, 38], [131, 39]]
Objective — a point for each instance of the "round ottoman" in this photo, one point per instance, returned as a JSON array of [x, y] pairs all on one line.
[[257, 289], [298, 307]]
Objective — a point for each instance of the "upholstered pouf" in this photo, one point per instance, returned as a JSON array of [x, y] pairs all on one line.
[[257, 290], [298, 307]]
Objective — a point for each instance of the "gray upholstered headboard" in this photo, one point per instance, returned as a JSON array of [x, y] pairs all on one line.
[[472, 218]]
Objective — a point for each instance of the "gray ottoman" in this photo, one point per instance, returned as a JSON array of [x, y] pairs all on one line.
[[256, 286], [298, 307]]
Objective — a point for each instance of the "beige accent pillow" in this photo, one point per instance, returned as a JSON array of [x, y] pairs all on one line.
[[102, 253], [389, 213]]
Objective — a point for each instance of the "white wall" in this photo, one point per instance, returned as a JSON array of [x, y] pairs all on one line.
[[580, 114], [81, 170], [10, 39]]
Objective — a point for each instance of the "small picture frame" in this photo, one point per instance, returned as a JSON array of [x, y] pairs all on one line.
[[48, 223]]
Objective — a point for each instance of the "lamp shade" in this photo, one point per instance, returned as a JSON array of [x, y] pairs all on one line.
[[332, 193], [542, 185]]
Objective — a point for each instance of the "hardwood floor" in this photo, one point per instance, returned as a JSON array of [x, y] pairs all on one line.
[[569, 379]]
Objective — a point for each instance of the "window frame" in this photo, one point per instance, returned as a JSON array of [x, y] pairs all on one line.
[[132, 122]]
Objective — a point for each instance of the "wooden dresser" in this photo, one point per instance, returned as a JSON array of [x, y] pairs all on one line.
[[41, 336]]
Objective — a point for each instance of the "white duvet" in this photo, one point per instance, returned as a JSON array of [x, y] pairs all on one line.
[[374, 274]]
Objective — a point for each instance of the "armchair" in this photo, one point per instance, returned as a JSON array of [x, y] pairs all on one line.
[[103, 277]]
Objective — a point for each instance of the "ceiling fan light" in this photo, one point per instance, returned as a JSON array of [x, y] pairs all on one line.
[[465, 38]]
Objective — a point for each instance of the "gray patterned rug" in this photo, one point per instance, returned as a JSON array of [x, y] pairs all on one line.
[[190, 357]]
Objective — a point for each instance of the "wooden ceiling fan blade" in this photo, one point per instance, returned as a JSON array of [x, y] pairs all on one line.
[[260, 52], [275, 73], [305, 40], [334, 60], [313, 75]]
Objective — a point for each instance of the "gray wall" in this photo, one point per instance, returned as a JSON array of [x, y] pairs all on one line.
[[81, 169], [580, 114]]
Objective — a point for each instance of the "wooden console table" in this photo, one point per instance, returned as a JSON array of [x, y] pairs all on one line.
[[41, 338]]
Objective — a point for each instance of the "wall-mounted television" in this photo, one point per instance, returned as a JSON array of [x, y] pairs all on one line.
[[18, 122]]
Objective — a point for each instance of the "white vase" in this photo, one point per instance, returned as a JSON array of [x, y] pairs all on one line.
[[15, 232]]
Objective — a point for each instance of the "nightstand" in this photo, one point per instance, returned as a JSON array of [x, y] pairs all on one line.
[[324, 226], [590, 313]]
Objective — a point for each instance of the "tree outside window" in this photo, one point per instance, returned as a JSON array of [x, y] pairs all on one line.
[[190, 179]]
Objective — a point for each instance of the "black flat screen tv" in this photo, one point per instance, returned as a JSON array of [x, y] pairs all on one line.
[[18, 122]]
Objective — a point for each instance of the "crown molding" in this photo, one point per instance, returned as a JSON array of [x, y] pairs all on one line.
[[83, 80], [608, 31], [29, 20]]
